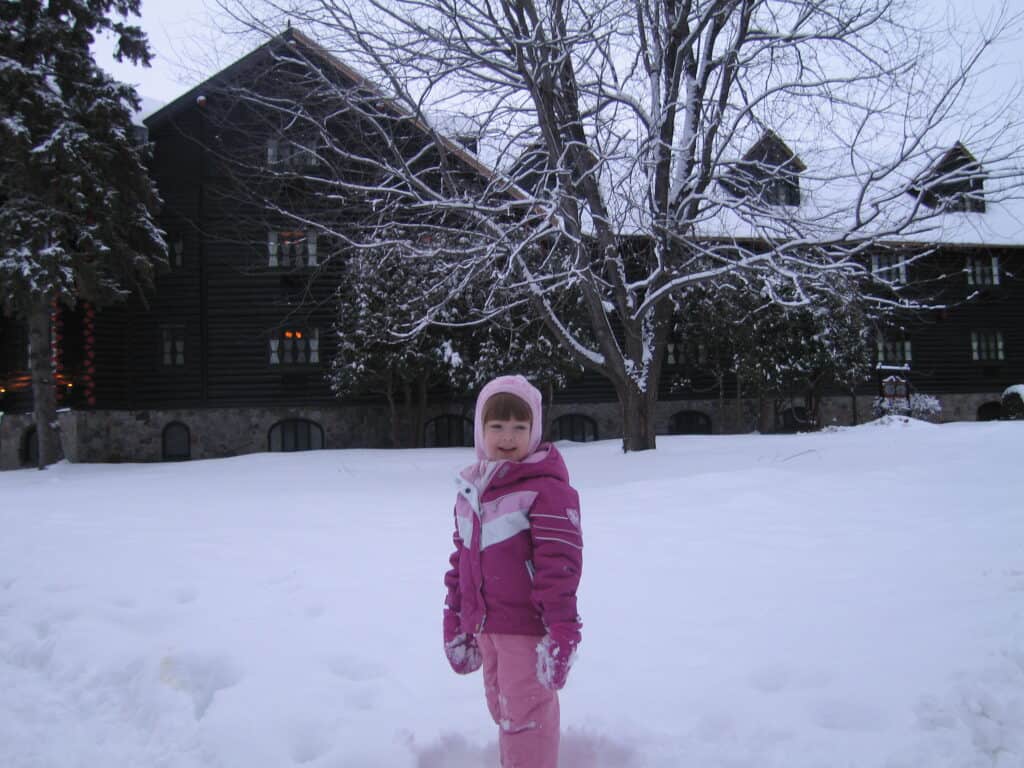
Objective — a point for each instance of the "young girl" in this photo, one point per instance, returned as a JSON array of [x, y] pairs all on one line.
[[511, 604]]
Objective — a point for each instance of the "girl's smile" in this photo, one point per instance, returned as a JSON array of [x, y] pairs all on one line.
[[507, 439]]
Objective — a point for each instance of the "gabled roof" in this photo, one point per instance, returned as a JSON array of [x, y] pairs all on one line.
[[770, 158], [292, 38], [956, 182], [771, 150]]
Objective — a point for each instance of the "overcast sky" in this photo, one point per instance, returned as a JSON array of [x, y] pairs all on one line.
[[187, 48]]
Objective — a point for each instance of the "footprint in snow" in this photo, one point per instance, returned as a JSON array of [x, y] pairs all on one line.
[[578, 749], [770, 679], [585, 749], [775, 678], [185, 595], [355, 670], [453, 751], [200, 676], [933, 715], [847, 715], [309, 741]]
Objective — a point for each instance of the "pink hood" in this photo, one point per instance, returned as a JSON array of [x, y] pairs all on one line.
[[525, 391]]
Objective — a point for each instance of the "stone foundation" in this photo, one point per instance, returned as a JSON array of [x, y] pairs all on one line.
[[965, 407], [13, 431], [113, 436]]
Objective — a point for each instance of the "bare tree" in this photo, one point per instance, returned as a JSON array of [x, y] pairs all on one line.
[[645, 148]]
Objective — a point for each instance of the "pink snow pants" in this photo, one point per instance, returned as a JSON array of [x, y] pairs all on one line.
[[525, 712]]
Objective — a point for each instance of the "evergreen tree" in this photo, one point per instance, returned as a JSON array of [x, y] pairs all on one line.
[[379, 299], [775, 347], [77, 207], [374, 356]]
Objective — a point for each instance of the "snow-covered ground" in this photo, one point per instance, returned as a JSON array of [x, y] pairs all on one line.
[[850, 599]]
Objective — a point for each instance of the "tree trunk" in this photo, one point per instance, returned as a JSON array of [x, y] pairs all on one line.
[[389, 392], [637, 418], [410, 435], [44, 394], [421, 412], [765, 414], [721, 402], [740, 427]]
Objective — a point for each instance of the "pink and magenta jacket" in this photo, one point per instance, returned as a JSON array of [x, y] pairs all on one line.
[[518, 544]]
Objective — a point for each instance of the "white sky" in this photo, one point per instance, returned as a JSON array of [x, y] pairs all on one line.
[[187, 46]]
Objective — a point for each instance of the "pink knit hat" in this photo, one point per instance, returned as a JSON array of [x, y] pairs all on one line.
[[513, 385]]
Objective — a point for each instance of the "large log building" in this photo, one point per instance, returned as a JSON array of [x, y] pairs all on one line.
[[228, 354]]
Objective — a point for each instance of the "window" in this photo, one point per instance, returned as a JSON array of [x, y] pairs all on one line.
[[889, 267], [793, 420], [13, 346], [176, 252], [294, 153], [177, 442], [894, 351], [991, 411], [296, 435], [574, 426], [955, 183], [689, 423], [681, 354], [987, 346], [782, 191], [292, 248], [295, 346], [173, 345], [448, 431], [30, 448], [982, 270], [769, 172]]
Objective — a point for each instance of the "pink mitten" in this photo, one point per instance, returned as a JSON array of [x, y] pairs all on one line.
[[460, 648], [555, 654]]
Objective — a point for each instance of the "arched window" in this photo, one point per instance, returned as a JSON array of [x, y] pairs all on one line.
[[296, 435], [689, 423], [577, 427], [448, 431], [795, 419], [990, 411], [177, 442], [30, 448]]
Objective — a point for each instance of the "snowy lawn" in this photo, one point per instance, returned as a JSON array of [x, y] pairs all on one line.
[[850, 599]]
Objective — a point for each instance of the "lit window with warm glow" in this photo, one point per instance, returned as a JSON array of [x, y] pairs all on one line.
[[295, 346]]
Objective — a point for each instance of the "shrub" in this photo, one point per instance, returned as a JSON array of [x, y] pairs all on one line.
[[1013, 402], [917, 406]]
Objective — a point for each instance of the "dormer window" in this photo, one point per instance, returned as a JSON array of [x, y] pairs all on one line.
[[768, 173], [531, 170], [955, 183]]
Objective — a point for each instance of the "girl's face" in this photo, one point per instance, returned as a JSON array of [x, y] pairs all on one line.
[[506, 439]]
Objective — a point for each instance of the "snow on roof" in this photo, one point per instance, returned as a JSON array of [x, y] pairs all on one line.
[[838, 193]]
